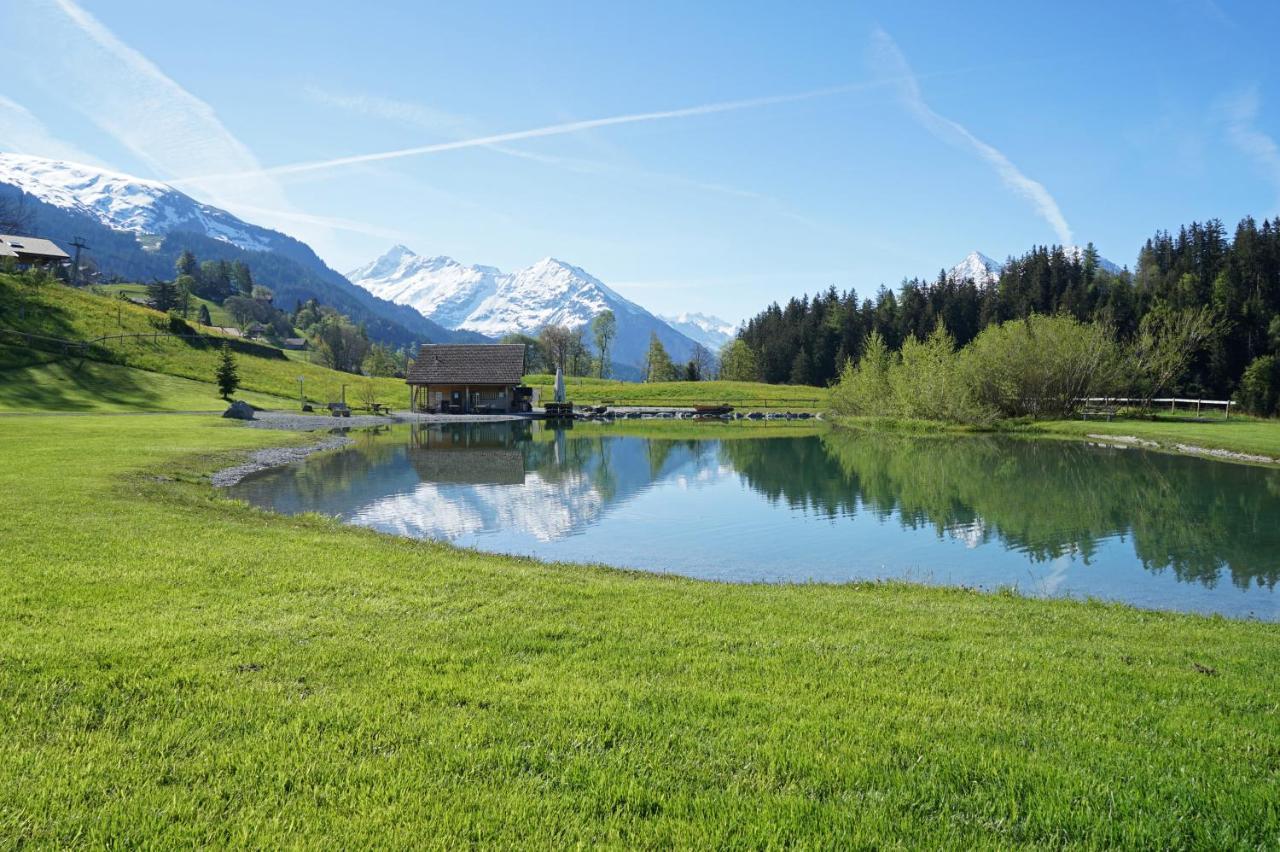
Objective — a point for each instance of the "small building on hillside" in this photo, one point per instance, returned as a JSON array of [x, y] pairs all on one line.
[[31, 251], [457, 378]]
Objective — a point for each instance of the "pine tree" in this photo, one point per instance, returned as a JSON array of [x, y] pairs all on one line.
[[242, 277], [162, 296], [227, 375], [203, 316], [186, 264]]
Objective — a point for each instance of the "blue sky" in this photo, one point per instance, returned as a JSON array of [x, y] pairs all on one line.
[[811, 144]]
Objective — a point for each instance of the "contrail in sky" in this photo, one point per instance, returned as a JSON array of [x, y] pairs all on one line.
[[887, 57], [537, 132]]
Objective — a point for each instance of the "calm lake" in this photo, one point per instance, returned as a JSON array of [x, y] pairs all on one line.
[[729, 502]]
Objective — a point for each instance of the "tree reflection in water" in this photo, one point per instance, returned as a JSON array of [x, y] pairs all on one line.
[[1043, 499]]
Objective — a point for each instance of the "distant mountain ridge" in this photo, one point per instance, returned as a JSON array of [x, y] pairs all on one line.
[[983, 270], [710, 331], [486, 300], [136, 228]]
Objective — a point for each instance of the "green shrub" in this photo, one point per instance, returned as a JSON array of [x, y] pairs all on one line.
[[864, 389], [1040, 366], [1259, 391], [928, 384]]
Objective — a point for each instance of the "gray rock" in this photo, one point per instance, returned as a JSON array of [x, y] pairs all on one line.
[[239, 410]]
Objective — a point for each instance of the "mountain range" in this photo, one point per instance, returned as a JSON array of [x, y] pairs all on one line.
[[712, 332], [136, 228], [983, 270], [486, 300]]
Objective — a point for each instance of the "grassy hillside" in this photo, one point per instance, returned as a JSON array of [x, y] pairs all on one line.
[[138, 292], [743, 395], [97, 387], [209, 675], [65, 312]]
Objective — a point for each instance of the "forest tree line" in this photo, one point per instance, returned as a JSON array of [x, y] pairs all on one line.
[[1237, 279]]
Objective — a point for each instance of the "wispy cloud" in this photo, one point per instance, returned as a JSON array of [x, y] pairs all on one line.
[[1240, 114], [541, 132], [167, 128], [888, 60], [21, 132], [391, 109]]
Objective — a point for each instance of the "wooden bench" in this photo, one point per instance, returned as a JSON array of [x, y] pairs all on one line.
[[1096, 411], [339, 409]]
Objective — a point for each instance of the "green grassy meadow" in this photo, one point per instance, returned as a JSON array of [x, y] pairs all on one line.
[[65, 312], [743, 395], [177, 669], [94, 386]]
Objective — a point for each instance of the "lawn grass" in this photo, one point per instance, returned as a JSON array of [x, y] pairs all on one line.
[[746, 396], [91, 386], [1239, 434], [65, 312], [178, 670]]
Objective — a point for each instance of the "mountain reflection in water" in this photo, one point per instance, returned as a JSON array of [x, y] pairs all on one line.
[[1047, 517]]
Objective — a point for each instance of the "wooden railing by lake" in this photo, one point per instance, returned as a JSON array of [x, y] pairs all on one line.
[[1172, 402]]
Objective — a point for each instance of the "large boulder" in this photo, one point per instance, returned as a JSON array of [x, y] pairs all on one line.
[[239, 410]]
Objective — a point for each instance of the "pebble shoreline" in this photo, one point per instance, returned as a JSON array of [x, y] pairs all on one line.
[[274, 457]]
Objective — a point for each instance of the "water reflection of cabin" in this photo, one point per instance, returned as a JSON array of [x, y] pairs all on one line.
[[474, 454], [456, 378]]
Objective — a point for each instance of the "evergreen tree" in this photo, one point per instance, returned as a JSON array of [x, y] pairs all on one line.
[[242, 278], [162, 295], [203, 316], [186, 264], [227, 374]]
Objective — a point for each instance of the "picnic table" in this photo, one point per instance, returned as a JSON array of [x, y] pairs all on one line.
[[339, 409], [379, 408]]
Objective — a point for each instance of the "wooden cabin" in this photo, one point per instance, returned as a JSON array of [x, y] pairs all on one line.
[[463, 378], [31, 251]]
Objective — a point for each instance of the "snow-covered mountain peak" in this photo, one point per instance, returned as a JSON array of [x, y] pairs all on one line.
[[127, 203], [983, 270], [976, 266], [487, 300], [711, 331]]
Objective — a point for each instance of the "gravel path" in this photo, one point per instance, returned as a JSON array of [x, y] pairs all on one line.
[[274, 457]]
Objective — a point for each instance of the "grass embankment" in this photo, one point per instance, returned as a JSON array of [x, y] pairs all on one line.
[[28, 381], [178, 670], [745, 396], [1239, 434]]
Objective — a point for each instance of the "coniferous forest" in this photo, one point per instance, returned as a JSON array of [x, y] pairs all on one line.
[[808, 340]]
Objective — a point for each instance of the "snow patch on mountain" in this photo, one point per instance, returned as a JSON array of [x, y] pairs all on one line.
[[127, 203], [711, 331], [983, 270]]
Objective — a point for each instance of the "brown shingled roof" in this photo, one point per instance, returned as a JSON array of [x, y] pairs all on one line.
[[468, 363]]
